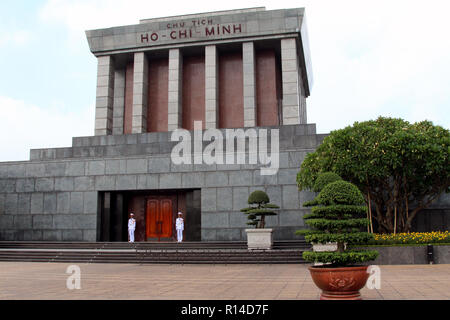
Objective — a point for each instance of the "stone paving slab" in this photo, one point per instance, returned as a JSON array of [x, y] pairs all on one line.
[[47, 281]]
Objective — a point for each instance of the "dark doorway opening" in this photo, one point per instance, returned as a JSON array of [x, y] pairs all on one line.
[[155, 213]]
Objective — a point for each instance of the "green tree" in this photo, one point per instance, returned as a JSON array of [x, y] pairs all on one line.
[[401, 168], [260, 209]]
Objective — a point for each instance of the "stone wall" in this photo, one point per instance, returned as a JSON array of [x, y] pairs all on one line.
[[53, 197]]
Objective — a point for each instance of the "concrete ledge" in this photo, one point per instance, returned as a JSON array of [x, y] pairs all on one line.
[[292, 137], [400, 255], [152, 137]]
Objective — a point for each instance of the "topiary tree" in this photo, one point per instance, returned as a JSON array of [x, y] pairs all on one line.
[[260, 209], [323, 179], [337, 218]]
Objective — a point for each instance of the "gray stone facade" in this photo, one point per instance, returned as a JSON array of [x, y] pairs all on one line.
[[54, 196], [245, 27], [57, 195]]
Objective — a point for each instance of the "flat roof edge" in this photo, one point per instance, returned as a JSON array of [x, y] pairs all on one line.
[[193, 15]]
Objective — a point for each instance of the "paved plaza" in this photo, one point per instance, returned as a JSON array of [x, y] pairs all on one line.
[[44, 281]]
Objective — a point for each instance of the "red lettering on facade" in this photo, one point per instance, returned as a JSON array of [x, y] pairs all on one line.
[[202, 22], [154, 37], [182, 34], [175, 25], [209, 32], [236, 28], [144, 37], [199, 22]]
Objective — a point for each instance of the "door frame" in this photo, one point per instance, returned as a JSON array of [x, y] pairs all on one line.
[[174, 199]]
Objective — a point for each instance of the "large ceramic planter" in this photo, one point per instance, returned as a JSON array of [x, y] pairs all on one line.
[[259, 239], [340, 283]]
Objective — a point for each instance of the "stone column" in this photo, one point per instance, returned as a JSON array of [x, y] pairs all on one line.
[[248, 60], [105, 99], [140, 93], [119, 101], [290, 76], [175, 89], [211, 87], [302, 98]]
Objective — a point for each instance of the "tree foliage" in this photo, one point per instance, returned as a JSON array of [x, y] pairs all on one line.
[[323, 179], [260, 209], [401, 168]]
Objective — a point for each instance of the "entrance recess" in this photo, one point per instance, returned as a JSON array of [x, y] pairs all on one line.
[[155, 212], [160, 213]]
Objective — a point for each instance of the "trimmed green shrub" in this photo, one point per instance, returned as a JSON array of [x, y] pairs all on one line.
[[340, 192], [323, 179], [336, 218], [261, 208], [341, 258], [321, 182], [310, 203], [258, 197]]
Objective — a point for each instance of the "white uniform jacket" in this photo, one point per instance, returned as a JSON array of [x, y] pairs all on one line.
[[132, 224], [179, 224]]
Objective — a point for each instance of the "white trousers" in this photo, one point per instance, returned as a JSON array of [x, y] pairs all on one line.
[[179, 235], [131, 234]]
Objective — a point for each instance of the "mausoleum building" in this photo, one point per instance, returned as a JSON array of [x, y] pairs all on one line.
[[243, 71]]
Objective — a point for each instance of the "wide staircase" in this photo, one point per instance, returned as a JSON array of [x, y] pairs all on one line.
[[287, 252]]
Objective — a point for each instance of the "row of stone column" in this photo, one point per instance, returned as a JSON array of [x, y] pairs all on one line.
[[111, 84]]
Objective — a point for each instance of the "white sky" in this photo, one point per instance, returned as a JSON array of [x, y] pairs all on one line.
[[369, 59]]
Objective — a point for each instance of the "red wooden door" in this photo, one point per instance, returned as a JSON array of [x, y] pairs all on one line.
[[159, 218]]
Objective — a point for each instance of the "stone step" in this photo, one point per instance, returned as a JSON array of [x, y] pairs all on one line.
[[178, 260], [143, 245], [193, 252]]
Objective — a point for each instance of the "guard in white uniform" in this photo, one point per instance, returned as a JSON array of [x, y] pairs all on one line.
[[179, 225], [131, 227]]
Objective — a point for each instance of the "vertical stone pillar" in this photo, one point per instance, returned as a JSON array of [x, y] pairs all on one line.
[[105, 99], [302, 99], [175, 89], [140, 93], [211, 87], [119, 101], [249, 67], [290, 76]]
